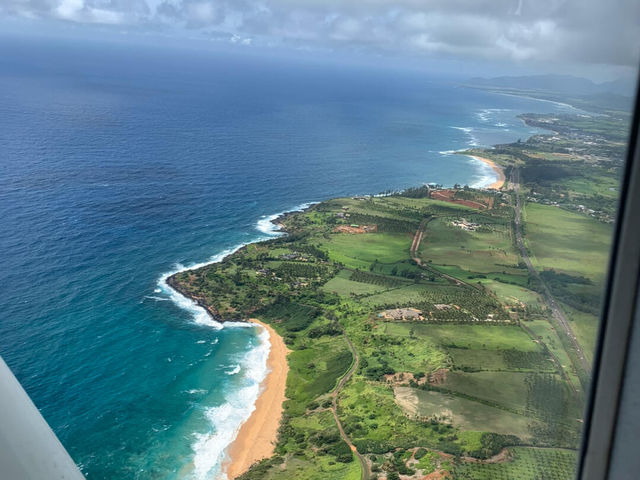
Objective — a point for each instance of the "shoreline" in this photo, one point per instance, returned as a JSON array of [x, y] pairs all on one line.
[[258, 435], [496, 168]]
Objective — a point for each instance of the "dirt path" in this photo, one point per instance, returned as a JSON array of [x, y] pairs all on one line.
[[334, 408], [556, 312]]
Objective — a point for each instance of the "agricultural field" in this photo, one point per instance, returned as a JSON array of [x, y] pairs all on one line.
[[523, 464], [485, 250], [420, 340], [467, 414], [552, 235]]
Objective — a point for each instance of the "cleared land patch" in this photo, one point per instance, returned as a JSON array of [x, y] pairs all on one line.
[[461, 412]]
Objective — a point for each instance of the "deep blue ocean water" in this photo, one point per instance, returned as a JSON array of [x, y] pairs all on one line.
[[119, 164]]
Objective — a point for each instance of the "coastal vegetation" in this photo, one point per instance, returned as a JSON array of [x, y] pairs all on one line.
[[436, 330]]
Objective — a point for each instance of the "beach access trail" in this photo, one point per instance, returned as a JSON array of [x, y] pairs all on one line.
[[334, 408]]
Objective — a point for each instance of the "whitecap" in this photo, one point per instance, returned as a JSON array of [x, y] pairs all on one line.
[[201, 341], [196, 391], [157, 299], [235, 369], [473, 140]]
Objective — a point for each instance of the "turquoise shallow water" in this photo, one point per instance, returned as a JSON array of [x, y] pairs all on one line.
[[119, 165]]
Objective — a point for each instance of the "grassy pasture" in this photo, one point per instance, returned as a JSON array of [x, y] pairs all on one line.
[[360, 251], [585, 326], [465, 414], [567, 241], [479, 337], [471, 359], [544, 330], [341, 285], [473, 251], [315, 370], [513, 294], [405, 354], [503, 388]]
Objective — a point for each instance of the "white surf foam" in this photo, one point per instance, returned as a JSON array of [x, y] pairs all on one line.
[[196, 391], [210, 449], [157, 299], [472, 139], [235, 369], [265, 223], [199, 314], [484, 174]]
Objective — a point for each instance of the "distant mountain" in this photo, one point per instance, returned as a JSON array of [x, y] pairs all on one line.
[[563, 84]]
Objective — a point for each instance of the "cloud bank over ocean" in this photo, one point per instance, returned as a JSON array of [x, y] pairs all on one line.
[[585, 31]]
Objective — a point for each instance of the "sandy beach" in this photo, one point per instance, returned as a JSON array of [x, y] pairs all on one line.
[[496, 168], [257, 436]]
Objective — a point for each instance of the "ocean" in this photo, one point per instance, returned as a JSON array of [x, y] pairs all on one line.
[[121, 164]]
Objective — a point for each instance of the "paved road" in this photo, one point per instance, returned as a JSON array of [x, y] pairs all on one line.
[[556, 312], [334, 409]]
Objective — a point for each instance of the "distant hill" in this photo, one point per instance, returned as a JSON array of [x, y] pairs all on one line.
[[564, 84]]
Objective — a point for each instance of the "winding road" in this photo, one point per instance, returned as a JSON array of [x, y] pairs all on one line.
[[334, 408]]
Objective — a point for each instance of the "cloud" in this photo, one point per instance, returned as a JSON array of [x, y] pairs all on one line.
[[586, 31]]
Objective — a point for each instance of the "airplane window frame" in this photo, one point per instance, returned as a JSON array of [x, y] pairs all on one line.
[[619, 309]]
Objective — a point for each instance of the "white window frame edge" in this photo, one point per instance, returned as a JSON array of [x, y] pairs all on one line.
[[618, 313]]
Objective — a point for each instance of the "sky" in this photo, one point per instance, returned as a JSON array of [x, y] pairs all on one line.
[[589, 37]]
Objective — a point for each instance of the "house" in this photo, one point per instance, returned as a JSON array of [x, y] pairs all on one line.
[[402, 314]]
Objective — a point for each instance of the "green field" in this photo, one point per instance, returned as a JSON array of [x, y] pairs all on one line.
[[341, 285], [524, 464], [567, 241], [463, 413], [478, 337], [359, 251], [489, 250], [506, 389]]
